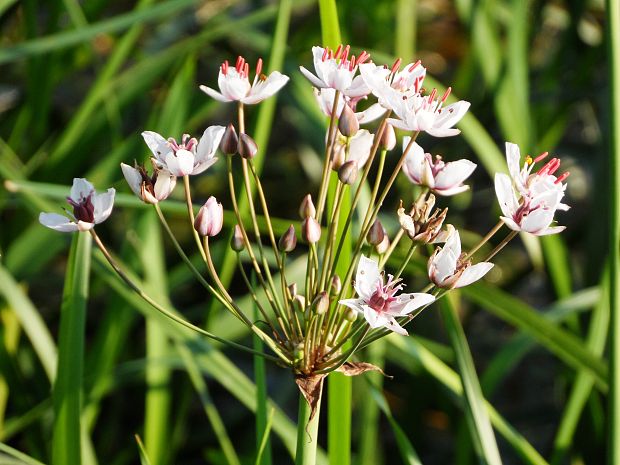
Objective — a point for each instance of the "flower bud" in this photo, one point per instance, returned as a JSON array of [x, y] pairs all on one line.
[[350, 315], [384, 245], [347, 173], [348, 125], [210, 218], [306, 208], [230, 141], [236, 241], [292, 289], [376, 233], [299, 303], [310, 230], [321, 303], [388, 138], [247, 147], [336, 285], [288, 241]]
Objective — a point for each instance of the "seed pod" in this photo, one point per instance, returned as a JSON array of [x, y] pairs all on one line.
[[310, 230], [210, 218], [236, 241], [388, 138], [306, 208], [347, 173], [321, 303], [247, 147], [350, 315], [336, 285], [288, 241], [230, 141], [376, 233], [348, 125]]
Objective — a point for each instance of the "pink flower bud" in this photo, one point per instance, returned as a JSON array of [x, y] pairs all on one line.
[[388, 138], [210, 218], [236, 241], [247, 147], [348, 125], [321, 303], [310, 230], [288, 241], [376, 233], [306, 208], [230, 141], [347, 173]]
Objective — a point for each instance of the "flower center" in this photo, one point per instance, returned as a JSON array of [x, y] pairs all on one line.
[[187, 143], [83, 209], [383, 297]]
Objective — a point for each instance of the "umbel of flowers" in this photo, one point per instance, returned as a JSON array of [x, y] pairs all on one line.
[[317, 325]]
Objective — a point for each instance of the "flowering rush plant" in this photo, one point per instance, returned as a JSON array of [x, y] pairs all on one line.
[[317, 325]]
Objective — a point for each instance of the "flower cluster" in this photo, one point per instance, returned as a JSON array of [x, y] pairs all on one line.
[[309, 322]]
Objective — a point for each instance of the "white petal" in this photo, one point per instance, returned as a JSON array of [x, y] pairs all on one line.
[[510, 223], [158, 145], [103, 204], [551, 230], [312, 78], [359, 147], [414, 161], [209, 142], [355, 304], [453, 174], [409, 302], [57, 222], [164, 185], [513, 157], [451, 191], [537, 221], [393, 325], [341, 79], [442, 132], [473, 273], [214, 94], [357, 89], [452, 114], [232, 85], [371, 113], [133, 178], [400, 124], [84, 226], [81, 189], [202, 167], [181, 163], [374, 318], [319, 64], [505, 195], [367, 277], [265, 89]]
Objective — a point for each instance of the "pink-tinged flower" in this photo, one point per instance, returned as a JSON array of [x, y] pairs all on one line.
[[448, 269], [89, 209], [426, 113], [188, 157], [377, 300], [390, 83], [325, 99], [336, 70], [234, 83], [442, 178], [529, 200], [210, 218], [359, 148], [150, 189]]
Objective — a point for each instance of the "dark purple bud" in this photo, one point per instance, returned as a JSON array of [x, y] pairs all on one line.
[[230, 141], [247, 147], [288, 241]]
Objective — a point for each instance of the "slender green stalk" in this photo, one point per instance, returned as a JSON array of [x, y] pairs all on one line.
[[263, 444], [613, 31], [67, 395], [307, 433]]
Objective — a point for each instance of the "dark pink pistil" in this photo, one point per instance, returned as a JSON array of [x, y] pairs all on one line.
[[383, 297], [83, 209], [187, 143]]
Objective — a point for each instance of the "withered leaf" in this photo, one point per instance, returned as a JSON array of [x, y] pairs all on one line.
[[357, 368], [311, 387]]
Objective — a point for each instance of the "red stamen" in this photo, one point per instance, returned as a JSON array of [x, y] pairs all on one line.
[[562, 177], [552, 164], [239, 64], [396, 65], [414, 66], [337, 52], [259, 66], [225, 67], [432, 96], [363, 57], [540, 157], [345, 53], [246, 70], [446, 94], [325, 54], [352, 63]]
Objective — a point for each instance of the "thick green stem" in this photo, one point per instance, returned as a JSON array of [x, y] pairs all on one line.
[[307, 432]]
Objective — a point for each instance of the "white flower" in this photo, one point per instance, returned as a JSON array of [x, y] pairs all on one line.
[[210, 218], [150, 189], [378, 301], [336, 70], [188, 157], [89, 209], [446, 268], [359, 148], [426, 113], [325, 99], [442, 178], [529, 200], [390, 83], [234, 83]]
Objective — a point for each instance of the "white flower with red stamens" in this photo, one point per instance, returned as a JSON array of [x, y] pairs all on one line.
[[391, 83], [234, 83], [529, 200], [426, 113], [89, 209], [336, 70], [378, 301], [150, 189], [442, 178], [359, 148], [447, 269], [188, 157], [325, 99]]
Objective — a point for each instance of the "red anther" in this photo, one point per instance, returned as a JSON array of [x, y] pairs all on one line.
[[414, 66], [352, 63], [416, 84], [562, 177], [432, 96], [345, 53], [337, 52], [555, 167], [239, 64], [552, 164], [325, 54], [396, 65], [540, 157], [259, 66], [246, 70], [446, 94], [225, 67], [363, 57]]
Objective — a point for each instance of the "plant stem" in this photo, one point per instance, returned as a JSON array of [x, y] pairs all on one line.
[[307, 432], [485, 239]]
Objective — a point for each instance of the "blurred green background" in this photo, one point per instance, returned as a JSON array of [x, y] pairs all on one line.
[[81, 80]]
